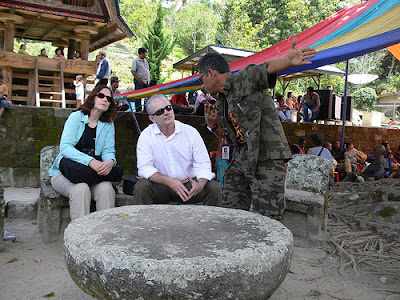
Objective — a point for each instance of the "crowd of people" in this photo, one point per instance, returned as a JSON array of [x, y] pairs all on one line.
[[296, 109], [352, 164]]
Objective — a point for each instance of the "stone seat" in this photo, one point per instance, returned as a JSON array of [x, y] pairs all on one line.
[[53, 209], [306, 196], [177, 252]]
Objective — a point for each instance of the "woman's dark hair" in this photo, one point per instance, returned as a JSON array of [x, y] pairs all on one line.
[[347, 144], [302, 139], [295, 149], [299, 98], [289, 94], [42, 50], [317, 138], [55, 51], [80, 55], [89, 104]]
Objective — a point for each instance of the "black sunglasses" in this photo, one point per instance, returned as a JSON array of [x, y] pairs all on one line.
[[160, 111], [101, 96]]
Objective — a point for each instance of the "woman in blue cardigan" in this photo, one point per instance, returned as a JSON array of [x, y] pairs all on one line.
[[88, 138]]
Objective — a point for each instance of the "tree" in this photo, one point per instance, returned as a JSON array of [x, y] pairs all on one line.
[[194, 26], [365, 98], [157, 44], [138, 14]]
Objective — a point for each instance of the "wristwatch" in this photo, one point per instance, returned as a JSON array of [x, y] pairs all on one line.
[[212, 129]]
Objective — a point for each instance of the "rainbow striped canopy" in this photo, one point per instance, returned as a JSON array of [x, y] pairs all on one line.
[[351, 32]]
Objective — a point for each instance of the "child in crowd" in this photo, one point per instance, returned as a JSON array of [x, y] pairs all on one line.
[[79, 90]]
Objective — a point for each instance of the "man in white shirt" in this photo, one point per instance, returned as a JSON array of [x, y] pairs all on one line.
[[173, 161]]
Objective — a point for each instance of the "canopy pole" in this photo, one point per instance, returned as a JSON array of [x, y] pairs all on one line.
[[344, 105]]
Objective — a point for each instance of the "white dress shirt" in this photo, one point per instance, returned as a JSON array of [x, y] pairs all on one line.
[[181, 154]]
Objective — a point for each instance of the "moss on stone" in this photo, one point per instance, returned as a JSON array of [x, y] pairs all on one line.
[[387, 211]]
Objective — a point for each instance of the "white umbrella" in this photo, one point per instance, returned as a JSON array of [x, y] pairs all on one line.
[[361, 78]]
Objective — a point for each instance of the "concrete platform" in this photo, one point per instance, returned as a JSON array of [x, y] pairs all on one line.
[[177, 252], [21, 203]]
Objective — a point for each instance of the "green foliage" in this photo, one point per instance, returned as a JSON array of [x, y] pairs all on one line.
[[194, 26], [365, 99], [138, 14], [157, 44]]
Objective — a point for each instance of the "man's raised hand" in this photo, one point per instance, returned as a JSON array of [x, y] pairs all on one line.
[[298, 56]]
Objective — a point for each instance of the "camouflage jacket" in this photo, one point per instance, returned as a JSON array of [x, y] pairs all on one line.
[[254, 110]]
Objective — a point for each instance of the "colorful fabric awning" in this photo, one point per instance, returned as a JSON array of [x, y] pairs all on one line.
[[351, 32]]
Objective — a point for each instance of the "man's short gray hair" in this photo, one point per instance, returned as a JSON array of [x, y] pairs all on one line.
[[152, 99], [380, 148]]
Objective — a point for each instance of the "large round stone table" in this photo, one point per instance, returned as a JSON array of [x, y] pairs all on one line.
[[177, 252]]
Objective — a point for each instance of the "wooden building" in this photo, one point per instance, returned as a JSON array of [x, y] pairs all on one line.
[[83, 25]]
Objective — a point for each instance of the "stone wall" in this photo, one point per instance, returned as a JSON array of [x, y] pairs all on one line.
[[26, 130]]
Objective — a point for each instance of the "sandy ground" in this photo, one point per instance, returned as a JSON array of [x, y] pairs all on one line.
[[40, 270]]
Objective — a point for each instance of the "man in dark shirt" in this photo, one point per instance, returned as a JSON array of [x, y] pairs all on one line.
[[375, 170], [337, 153]]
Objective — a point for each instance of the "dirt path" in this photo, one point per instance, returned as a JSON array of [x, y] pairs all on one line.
[[314, 273]]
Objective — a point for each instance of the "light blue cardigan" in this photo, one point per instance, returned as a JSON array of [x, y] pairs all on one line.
[[73, 130]]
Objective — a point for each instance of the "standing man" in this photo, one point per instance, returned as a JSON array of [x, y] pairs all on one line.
[[254, 178], [103, 69], [4, 104], [311, 102], [114, 85], [141, 72], [173, 161]]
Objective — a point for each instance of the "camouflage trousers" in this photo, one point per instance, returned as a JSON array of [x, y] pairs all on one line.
[[261, 191]]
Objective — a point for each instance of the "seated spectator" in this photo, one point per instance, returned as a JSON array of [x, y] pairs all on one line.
[[43, 53], [394, 164], [295, 149], [302, 145], [78, 56], [337, 152], [374, 171], [397, 154], [180, 104], [4, 103], [173, 161], [317, 149], [352, 162], [22, 49], [290, 100], [88, 138], [282, 109], [310, 102], [202, 99], [58, 54]]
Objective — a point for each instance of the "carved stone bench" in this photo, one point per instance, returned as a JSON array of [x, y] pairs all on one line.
[[53, 209], [306, 195]]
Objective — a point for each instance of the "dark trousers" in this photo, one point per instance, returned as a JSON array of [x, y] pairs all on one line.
[[148, 192], [138, 102], [102, 81]]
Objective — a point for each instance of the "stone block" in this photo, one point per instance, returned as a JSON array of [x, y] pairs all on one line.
[[177, 252], [2, 213], [306, 214], [309, 173], [51, 216], [22, 209], [306, 196], [62, 113]]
